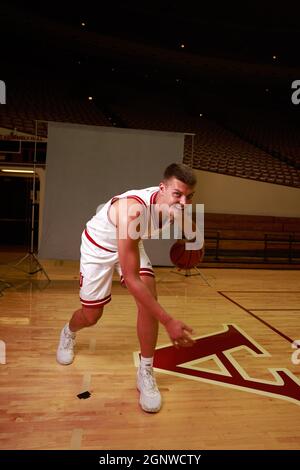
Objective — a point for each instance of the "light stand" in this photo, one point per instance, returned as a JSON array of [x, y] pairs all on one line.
[[3, 285], [188, 273], [34, 264]]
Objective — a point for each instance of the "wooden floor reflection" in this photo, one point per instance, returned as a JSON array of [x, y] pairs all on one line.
[[39, 407]]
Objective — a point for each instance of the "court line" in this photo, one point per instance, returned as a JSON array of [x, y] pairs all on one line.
[[275, 309], [263, 291], [76, 439], [86, 382], [257, 317]]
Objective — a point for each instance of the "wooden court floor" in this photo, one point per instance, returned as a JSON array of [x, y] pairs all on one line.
[[237, 388]]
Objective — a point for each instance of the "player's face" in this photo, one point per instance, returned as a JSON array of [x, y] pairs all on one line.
[[176, 194]]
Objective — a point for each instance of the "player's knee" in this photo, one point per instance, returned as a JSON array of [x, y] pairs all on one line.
[[92, 315]]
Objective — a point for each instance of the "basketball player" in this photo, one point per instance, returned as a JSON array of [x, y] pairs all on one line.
[[104, 247]]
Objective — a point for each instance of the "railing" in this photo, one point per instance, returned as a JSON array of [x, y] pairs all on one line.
[[255, 247]]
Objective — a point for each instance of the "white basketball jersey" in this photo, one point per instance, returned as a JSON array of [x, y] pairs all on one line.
[[102, 231]]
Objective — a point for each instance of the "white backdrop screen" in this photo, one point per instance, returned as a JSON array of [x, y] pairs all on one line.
[[86, 166]]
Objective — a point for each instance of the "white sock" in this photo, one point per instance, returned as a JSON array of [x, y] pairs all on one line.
[[68, 332], [146, 361]]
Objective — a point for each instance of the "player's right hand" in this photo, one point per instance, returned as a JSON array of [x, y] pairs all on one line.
[[180, 333]]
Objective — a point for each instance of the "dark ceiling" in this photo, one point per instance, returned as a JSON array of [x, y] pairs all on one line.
[[250, 45], [252, 31]]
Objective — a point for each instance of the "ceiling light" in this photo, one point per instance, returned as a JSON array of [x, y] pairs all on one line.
[[8, 170]]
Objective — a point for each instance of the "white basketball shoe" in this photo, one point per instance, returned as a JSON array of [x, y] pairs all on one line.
[[65, 350], [150, 398]]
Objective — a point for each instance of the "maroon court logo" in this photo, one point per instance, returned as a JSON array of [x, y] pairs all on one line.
[[220, 348]]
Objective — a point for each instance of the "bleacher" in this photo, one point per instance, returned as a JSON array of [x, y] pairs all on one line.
[[277, 134], [254, 240], [215, 148], [45, 103], [230, 239]]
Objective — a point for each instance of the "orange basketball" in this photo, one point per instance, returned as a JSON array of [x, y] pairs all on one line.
[[185, 259]]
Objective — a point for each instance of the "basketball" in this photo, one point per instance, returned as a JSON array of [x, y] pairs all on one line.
[[185, 259]]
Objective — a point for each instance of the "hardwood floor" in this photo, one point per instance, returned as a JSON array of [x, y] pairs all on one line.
[[237, 388]]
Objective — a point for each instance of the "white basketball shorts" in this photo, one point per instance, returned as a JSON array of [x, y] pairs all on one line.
[[97, 266]]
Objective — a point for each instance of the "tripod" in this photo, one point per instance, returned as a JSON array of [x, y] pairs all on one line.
[[188, 273], [34, 264]]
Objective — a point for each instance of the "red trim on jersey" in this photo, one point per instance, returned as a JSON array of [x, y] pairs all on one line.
[[142, 272], [150, 271], [137, 198], [116, 198], [96, 244], [146, 274], [153, 197], [96, 303]]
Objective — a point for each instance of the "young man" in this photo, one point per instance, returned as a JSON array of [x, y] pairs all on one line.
[[112, 239]]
